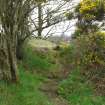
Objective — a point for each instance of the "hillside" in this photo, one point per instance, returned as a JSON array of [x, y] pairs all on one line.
[[39, 43]]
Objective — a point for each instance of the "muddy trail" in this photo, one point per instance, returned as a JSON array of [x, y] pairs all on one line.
[[50, 88]]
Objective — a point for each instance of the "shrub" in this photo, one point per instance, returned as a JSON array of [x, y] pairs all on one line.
[[88, 52], [92, 52]]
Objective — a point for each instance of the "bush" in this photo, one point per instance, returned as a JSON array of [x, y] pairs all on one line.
[[92, 52], [88, 52]]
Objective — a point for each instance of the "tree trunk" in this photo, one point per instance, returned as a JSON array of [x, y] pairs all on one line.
[[8, 65], [19, 50], [40, 21], [4, 65], [12, 61]]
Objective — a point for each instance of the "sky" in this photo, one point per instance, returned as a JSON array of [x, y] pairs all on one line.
[[66, 27]]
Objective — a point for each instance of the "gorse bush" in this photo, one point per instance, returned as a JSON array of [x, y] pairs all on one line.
[[91, 9], [86, 56], [88, 53], [92, 52]]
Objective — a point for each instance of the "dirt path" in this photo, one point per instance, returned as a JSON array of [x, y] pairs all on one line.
[[50, 88]]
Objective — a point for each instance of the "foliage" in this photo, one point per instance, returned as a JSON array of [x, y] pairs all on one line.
[[69, 15], [92, 9], [78, 32], [68, 55], [79, 92], [89, 13], [87, 51], [92, 50]]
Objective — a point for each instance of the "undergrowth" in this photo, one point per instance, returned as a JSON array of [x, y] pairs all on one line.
[[37, 60], [78, 91], [24, 93]]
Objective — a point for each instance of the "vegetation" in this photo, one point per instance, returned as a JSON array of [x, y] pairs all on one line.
[[87, 52], [38, 60], [26, 92], [39, 43], [61, 70], [89, 14], [79, 91], [91, 10]]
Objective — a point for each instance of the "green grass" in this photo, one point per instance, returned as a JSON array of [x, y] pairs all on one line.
[[27, 91], [38, 60], [24, 93], [79, 92]]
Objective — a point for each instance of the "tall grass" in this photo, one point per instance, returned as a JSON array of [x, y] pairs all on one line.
[[78, 91], [24, 93], [35, 60]]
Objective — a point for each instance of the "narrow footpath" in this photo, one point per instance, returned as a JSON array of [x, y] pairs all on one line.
[[50, 88]]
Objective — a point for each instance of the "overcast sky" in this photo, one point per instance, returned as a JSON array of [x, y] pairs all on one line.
[[66, 27]]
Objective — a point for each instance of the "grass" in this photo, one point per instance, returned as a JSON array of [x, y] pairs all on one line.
[[24, 93], [38, 60], [39, 43], [79, 92], [75, 89], [27, 92]]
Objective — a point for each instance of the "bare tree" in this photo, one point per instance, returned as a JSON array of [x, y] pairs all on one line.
[[42, 17], [13, 16], [48, 16]]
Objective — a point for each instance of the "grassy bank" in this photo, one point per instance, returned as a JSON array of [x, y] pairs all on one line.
[[24, 93], [33, 72], [39, 59], [78, 91], [27, 91]]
